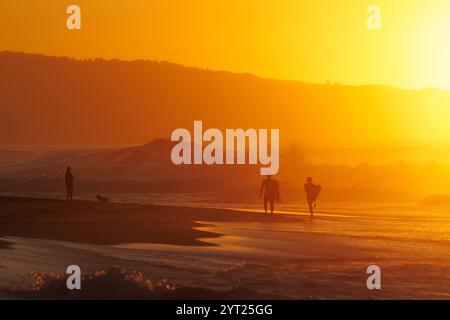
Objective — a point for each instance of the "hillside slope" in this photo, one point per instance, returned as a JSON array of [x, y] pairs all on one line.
[[48, 101]]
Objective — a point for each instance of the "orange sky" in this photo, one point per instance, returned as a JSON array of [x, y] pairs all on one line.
[[312, 41]]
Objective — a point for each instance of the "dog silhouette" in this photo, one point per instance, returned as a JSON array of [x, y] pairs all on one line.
[[101, 198]]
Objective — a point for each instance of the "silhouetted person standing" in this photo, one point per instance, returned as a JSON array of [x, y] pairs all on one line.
[[69, 183], [271, 190], [312, 192]]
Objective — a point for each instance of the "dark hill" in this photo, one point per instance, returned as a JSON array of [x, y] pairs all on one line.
[[60, 101]]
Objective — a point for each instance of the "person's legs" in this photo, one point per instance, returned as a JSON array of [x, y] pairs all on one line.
[[272, 200], [265, 203], [311, 209]]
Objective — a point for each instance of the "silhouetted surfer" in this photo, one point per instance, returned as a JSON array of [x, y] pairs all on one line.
[[270, 189], [312, 192], [69, 183]]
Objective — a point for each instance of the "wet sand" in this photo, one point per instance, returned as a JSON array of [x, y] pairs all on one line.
[[232, 253], [112, 223]]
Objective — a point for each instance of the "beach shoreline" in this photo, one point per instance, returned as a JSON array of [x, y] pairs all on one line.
[[114, 223], [218, 253]]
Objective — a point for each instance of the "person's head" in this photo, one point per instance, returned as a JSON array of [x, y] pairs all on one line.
[[309, 179], [68, 169]]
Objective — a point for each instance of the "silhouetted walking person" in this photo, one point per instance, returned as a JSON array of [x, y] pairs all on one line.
[[69, 183], [312, 192], [271, 190]]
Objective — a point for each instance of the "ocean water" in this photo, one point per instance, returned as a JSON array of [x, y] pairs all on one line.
[[324, 258]]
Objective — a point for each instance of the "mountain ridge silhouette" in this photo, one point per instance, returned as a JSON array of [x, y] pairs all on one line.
[[48, 100]]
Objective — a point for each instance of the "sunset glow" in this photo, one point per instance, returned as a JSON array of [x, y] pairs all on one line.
[[312, 41], [211, 151]]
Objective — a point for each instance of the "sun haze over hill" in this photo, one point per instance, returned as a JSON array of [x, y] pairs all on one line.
[[311, 41], [49, 101]]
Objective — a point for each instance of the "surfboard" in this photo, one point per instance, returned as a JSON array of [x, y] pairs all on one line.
[[317, 189]]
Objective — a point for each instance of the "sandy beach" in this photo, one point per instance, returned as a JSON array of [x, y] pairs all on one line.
[[113, 223], [218, 253]]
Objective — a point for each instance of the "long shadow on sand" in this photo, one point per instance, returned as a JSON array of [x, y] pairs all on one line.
[[111, 223]]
